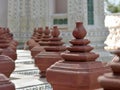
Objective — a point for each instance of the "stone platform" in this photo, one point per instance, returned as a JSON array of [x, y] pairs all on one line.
[[26, 75]]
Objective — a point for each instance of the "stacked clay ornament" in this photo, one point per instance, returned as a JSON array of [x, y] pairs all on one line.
[[79, 69]]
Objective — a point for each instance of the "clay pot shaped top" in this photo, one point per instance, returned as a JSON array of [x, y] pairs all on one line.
[[79, 32], [1, 31], [47, 31], [55, 32], [40, 30]]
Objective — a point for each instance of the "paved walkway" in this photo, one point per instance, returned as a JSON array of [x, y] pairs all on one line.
[[26, 75]]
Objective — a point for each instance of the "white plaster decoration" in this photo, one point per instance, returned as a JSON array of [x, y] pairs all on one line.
[[74, 13], [112, 21], [84, 12], [25, 15], [51, 11], [3, 13], [35, 13], [13, 17], [99, 13], [47, 16], [42, 10]]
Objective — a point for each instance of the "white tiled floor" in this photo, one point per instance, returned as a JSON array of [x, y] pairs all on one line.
[[26, 75]]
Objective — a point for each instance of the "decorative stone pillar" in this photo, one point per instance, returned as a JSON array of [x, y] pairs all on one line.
[[52, 54], [111, 81], [79, 70]]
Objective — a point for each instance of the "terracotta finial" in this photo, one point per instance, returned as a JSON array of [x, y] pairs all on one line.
[[79, 32], [7, 30], [80, 46], [55, 32], [55, 43], [47, 31], [40, 30], [52, 54], [78, 66]]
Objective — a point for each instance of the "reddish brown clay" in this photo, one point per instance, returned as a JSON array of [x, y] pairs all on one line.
[[5, 83], [78, 70], [7, 65], [111, 81], [42, 43], [38, 34], [37, 49], [79, 32], [31, 43], [8, 44], [46, 37], [10, 52], [52, 54]]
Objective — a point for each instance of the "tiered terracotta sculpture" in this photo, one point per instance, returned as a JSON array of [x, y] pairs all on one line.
[[8, 44], [37, 49], [5, 83], [45, 38], [111, 81], [43, 42], [79, 70], [31, 42], [52, 54], [37, 34]]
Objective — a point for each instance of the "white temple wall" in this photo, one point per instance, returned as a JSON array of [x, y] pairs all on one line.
[[59, 8], [3, 12], [42, 13]]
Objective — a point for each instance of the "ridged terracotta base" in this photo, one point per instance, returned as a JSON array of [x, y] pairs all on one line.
[[7, 65], [45, 59], [35, 50], [66, 75], [110, 81], [5, 83]]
